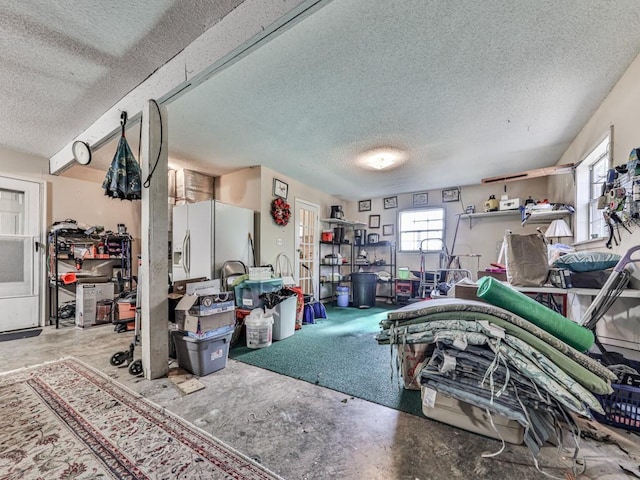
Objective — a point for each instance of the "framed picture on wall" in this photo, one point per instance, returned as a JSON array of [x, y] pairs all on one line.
[[451, 194], [280, 189], [420, 199], [391, 202], [364, 205], [387, 230], [374, 221]]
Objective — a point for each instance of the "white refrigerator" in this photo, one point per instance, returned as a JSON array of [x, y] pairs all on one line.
[[207, 234]]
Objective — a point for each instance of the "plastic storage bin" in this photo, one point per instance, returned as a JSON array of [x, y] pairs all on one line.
[[621, 408], [471, 418], [284, 318], [342, 296], [202, 357], [248, 292], [364, 289]]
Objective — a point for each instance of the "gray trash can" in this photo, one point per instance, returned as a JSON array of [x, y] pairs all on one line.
[[364, 289]]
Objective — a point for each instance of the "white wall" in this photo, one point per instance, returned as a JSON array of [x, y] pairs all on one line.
[[241, 188], [269, 231], [77, 195], [482, 238], [253, 188], [621, 109]]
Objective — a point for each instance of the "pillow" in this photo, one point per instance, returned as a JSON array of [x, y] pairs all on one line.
[[587, 261]]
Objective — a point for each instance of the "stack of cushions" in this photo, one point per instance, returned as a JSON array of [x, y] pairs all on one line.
[[588, 269], [491, 359]]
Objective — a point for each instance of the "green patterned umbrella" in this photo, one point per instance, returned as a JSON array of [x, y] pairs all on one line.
[[123, 178]]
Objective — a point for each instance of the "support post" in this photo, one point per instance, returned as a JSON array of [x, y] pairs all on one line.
[[153, 272]]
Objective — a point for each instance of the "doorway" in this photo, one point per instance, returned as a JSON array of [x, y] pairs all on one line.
[[307, 241], [19, 254]]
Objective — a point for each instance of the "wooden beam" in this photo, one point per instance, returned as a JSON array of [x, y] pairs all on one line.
[[539, 172]]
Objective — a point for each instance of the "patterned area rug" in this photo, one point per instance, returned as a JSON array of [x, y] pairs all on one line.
[[65, 420]]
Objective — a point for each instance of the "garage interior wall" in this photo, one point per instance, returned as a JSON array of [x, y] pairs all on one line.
[[77, 193]]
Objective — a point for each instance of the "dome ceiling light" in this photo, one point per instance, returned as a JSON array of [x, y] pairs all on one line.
[[382, 159]]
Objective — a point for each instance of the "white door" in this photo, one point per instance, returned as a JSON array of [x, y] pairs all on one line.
[[20, 259], [307, 241]]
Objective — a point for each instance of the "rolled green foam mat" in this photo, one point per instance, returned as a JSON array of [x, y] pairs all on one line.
[[500, 295]]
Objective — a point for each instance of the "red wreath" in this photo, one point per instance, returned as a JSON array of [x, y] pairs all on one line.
[[280, 211]]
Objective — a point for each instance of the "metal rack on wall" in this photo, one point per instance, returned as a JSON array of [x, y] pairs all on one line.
[[85, 256]]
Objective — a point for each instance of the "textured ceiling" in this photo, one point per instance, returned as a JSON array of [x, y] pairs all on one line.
[[65, 62], [468, 89]]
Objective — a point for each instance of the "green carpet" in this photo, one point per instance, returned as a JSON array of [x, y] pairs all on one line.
[[340, 353]]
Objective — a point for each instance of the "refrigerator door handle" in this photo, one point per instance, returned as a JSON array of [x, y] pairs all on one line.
[[188, 253], [185, 252]]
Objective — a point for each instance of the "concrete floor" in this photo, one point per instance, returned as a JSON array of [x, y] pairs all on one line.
[[302, 431]]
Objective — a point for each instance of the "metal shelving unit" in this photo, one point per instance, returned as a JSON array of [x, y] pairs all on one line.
[[79, 250], [326, 280]]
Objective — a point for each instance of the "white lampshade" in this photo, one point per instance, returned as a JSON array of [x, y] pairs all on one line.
[[558, 229]]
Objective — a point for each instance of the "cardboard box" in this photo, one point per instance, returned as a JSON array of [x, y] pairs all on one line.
[[196, 324], [502, 276], [466, 292], [92, 307], [203, 288], [200, 305], [202, 313], [180, 286]]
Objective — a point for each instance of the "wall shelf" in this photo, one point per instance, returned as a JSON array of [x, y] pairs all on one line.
[[534, 218], [346, 223]]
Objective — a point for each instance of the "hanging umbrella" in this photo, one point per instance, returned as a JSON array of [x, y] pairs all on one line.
[[123, 177]]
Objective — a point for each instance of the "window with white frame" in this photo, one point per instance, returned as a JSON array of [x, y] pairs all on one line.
[[598, 166], [421, 228], [590, 174]]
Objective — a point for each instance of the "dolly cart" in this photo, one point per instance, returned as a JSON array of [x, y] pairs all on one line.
[[126, 356]]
